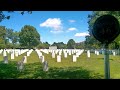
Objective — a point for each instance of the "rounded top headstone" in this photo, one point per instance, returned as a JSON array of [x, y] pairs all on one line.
[[106, 28]]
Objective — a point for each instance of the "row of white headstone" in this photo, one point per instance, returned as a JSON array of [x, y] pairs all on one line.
[[29, 52], [18, 52], [66, 52], [14, 52], [59, 52], [40, 56], [97, 52], [42, 59], [75, 52]]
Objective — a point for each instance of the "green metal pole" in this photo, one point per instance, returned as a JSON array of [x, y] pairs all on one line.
[[106, 61]]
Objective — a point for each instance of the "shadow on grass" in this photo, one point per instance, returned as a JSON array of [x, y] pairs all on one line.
[[69, 73], [8, 70], [34, 71]]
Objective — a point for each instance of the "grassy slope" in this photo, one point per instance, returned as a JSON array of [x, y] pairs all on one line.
[[84, 68]]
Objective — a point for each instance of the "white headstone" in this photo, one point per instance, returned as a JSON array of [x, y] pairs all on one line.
[[19, 52], [113, 53], [53, 55], [97, 52], [72, 52], [4, 53], [65, 55], [58, 58], [60, 53], [1, 51], [69, 52], [16, 54], [88, 53], [28, 53], [74, 58], [12, 55], [77, 54], [40, 53]]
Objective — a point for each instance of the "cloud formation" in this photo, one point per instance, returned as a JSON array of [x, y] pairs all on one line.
[[82, 34], [71, 29], [54, 23], [71, 21]]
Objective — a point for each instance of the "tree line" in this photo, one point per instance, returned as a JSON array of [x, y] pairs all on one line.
[[28, 37]]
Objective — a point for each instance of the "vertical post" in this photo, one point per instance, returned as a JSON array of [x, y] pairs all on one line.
[[119, 49], [106, 60]]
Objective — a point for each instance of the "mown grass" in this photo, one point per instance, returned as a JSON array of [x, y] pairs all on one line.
[[84, 68]]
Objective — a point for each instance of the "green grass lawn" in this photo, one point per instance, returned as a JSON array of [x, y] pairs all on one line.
[[84, 68]]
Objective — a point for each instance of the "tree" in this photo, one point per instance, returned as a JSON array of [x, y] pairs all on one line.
[[91, 43], [71, 44], [80, 45], [13, 36], [4, 16], [40, 46], [29, 37], [2, 32], [3, 40], [92, 18], [117, 40], [9, 33], [46, 45], [60, 45]]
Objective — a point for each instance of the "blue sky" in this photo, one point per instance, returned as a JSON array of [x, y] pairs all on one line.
[[53, 26]]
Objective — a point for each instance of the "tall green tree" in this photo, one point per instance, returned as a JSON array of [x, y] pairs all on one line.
[[71, 44], [12, 36], [92, 18], [29, 37], [15, 37], [3, 40], [9, 33]]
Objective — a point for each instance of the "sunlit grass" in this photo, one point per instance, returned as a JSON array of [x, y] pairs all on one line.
[[84, 68]]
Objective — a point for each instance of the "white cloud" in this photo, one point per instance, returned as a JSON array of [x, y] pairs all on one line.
[[54, 23], [72, 29], [72, 21], [82, 34]]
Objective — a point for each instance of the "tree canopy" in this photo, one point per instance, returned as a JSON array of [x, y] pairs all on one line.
[[71, 44], [29, 37], [90, 40]]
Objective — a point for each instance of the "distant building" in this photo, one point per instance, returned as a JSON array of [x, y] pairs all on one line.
[[53, 47]]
